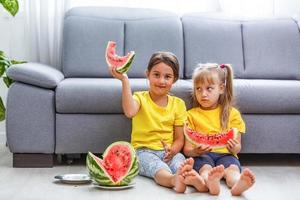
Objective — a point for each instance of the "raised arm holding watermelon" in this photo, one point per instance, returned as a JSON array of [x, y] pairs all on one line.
[[157, 121], [213, 136]]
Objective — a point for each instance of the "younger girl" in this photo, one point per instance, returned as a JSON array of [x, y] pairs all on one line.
[[214, 113], [157, 121]]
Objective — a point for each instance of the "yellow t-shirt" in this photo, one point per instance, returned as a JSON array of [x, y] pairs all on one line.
[[208, 122], [153, 123]]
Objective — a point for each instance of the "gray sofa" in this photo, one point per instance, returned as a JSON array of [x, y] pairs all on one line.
[[78, 108]]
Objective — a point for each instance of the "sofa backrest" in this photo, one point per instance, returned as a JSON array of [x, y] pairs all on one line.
[[257, 48], [88, 29], [209, 40], [266, 48], [272, 49]]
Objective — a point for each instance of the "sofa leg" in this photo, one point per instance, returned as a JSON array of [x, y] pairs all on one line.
[[32, 160]]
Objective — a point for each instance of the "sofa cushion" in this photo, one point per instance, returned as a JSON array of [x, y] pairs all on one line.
[[86, 56], [256, 96], [144, 30], [150, 35], [209, 39], [268, 96], [92, 95], [271, 49]]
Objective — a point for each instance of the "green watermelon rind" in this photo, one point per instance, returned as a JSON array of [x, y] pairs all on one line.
[[99, 175], [195, 143], [126, 66]]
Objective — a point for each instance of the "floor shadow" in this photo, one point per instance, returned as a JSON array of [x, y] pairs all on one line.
[[270, 159]]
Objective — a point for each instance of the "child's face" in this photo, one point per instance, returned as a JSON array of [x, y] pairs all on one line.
[[208, 94], [161, 79]]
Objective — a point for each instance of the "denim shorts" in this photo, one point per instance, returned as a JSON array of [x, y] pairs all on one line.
[[215, 159], [151, 161]]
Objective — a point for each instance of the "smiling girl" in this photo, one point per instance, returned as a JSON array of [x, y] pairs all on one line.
[[157, 121]]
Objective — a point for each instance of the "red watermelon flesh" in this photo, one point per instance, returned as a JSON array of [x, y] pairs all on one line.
[[218, 140], [122, 63], [117, 162]]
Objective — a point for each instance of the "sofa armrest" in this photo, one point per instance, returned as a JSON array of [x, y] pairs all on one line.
[[35, 74]]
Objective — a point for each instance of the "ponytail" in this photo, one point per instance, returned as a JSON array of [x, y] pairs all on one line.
[[227, 98]]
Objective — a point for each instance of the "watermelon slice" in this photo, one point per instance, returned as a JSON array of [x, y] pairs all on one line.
[[216, 141], [118, 166], [122, 63]]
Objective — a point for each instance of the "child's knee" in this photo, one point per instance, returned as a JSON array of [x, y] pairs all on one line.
[[232, 174], [233, 167]]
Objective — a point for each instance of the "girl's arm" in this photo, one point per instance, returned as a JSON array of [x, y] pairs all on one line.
[[234, 145], [129, 104], [177, 145], [178, 141], [190, 150]]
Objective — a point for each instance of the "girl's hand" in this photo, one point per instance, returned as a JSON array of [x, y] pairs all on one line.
[[169, 153], [117, 75], [234, 146], [202, 149]]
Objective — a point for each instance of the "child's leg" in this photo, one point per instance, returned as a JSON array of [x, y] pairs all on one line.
[[232, 168], [151, 165], [210, 174], [246, 180], [167, 179], [178, 166], [232, 175], [238, 182], [191, 177]]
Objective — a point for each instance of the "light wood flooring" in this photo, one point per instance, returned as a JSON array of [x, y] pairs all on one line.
[[278, 178]]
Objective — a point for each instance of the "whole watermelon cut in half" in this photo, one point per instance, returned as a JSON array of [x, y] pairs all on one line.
[[118, 166], [218, 140], [122, 63]]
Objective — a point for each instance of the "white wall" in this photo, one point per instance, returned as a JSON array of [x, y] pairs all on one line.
[[287, 7], [12, 42]]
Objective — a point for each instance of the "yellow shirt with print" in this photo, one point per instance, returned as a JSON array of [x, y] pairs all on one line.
[[153, 123], [208, 122]]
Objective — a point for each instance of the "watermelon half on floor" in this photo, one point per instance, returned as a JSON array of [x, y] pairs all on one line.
[[122, 63], [118, 166], [216, 141]]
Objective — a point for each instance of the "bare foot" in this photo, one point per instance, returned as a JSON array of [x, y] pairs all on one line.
[[179, 185], [186, 165], [246, 180], [213, 179], [194, 179]]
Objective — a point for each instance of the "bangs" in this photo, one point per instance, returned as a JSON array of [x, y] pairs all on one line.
[[205, 76]]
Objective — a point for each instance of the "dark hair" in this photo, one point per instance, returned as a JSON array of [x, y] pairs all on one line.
[[165, 57]]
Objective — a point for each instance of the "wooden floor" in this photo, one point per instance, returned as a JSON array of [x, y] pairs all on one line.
[[278, 178]]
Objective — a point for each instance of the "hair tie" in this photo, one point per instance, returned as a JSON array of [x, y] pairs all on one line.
[[222, 66]]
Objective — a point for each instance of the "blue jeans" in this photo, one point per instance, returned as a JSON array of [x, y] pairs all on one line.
[[151, 161], [215, 159]]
